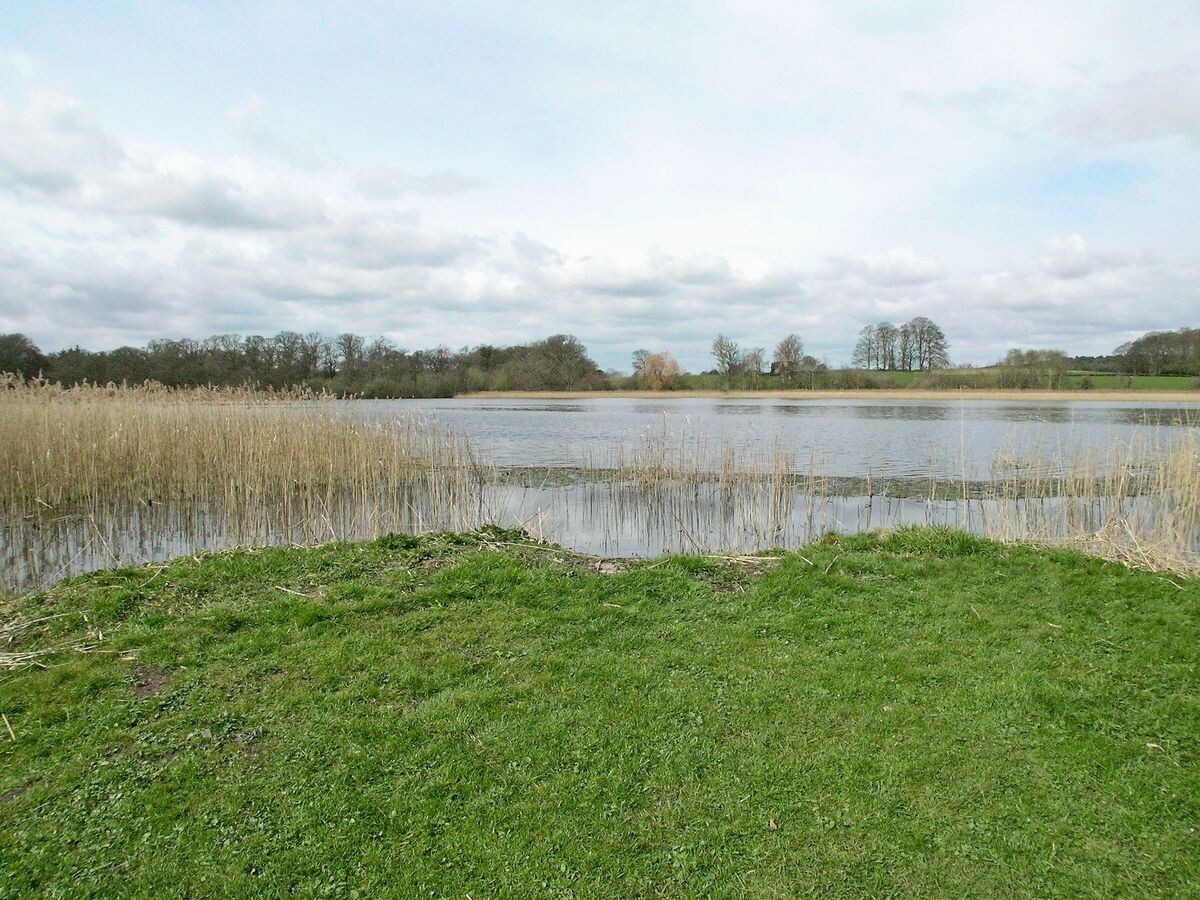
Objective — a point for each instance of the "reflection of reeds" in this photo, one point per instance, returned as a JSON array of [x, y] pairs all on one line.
[[1138, 501]]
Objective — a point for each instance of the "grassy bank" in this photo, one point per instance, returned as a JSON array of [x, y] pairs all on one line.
[[920, 714]]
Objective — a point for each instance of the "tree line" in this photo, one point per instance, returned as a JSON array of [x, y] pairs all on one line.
[[345, 364], [351, 364]]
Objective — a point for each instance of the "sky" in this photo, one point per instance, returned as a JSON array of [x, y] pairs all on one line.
[[1026, 174]]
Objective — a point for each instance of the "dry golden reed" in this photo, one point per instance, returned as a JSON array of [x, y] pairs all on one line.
[[264, 461]]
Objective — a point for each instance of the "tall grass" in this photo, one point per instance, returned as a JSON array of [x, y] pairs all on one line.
[[1135, 501], [264, 462]]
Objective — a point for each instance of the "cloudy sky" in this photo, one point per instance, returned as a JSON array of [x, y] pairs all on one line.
[[639, 175]]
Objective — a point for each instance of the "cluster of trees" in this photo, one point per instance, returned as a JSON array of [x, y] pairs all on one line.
[[1154, 353], [655, 371], [917, 344], [346, 364], [1163, 353], [744, 367], [1033, 369]]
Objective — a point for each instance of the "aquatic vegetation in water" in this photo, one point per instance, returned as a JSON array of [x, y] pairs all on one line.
[[96, 476]]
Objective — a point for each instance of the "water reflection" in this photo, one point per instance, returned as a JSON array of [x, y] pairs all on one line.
[[903, 412], [878, 435], [738, 409], [603, 518]]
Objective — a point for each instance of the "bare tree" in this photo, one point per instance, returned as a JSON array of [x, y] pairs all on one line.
[[887, 339], [639, 361], [905, 349], [1050, 366], [789, 353], [866, 351], [753, 362], [349, 349], [929, 347], [728, 356]]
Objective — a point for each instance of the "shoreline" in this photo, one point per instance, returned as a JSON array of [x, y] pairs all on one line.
[[1182, 396]]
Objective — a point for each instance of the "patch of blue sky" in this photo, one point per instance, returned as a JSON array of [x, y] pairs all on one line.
[[1059, 193]]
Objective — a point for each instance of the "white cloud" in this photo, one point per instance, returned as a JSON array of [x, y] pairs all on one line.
[[250, 120], [1070, 257], [59, 155], [21, 64]]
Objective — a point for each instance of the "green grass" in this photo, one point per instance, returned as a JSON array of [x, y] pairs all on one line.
[[1101, 382], [984, 377], [923, 714]]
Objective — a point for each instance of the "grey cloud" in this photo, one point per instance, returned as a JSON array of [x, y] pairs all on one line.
[[898, 267], [535, 253], [1150, 105], [386, 182], [631, 287], [386, 241]]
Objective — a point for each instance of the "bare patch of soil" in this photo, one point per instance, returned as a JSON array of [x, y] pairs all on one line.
[[150, 681]]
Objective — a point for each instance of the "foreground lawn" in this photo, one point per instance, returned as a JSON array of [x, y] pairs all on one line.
[[464, 716]]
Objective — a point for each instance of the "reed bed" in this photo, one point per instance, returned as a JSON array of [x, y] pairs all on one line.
[[263, 463], [1137, 502]]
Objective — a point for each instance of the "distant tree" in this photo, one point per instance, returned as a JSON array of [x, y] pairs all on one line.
[[1039, 368], [887, 342], [904, 347], [810, 368], [929, 347], [639, 361], [753, 362], [917, 344], [728, 356], [20, 356], [348, 352], [660, 371], [789, 354], [1162, 353], [866, 351]]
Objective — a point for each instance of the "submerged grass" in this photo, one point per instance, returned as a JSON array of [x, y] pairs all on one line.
[[922, 714]]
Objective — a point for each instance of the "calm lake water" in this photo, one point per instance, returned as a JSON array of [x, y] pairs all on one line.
[[917, 440], [845, 438]]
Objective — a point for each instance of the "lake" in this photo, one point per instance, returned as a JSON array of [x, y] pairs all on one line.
[[901, 462], [846, 438]]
